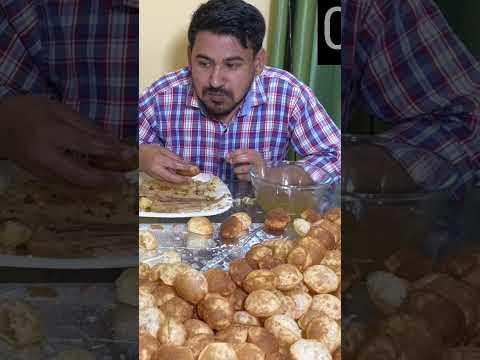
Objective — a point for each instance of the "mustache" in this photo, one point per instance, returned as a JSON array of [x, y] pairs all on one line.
[[216, 91]]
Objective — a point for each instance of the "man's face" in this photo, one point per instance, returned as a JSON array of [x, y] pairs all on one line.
[[222, 72]]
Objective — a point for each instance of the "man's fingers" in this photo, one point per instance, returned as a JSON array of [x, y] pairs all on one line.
[[82, 135], [172, 155], [165, 174], [68, 137], [78, 173], [238, 159], [178, 165], [170, 163], [75, 119], [175, 161], [245, 156], [160, 162], [240, 152], [236, 155]]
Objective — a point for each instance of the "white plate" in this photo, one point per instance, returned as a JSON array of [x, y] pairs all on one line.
[[224, 205]]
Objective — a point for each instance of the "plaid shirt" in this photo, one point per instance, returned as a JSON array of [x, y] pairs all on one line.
[[403, 62], [278, 110], [82, 53]]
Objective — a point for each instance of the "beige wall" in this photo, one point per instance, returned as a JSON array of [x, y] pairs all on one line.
[[163, 35]]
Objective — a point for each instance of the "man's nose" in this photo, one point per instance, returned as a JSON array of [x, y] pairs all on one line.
[[216, 77]]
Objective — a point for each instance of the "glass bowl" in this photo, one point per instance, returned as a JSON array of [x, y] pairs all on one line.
[[285, 184], [394, 196]]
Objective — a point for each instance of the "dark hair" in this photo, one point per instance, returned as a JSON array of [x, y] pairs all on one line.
[[229, 17]]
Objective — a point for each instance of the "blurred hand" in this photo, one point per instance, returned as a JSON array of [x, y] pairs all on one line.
[[243, 160], [40, 135], [126, 165], [161, 163], [369, 168]]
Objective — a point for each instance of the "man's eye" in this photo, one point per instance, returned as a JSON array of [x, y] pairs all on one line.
[[204, 63], [232, 66]]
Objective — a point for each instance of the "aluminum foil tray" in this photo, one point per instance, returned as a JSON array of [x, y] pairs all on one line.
[[260, 235], [175, 237]]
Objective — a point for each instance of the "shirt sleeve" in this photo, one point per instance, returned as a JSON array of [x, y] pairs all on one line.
[[315, 137], [20, 48], [148, 119], [417, 75]]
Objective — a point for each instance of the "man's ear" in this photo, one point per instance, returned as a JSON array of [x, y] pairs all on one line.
[[260, 59]]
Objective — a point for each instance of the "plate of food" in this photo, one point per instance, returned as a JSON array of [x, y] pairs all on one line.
[[37, 202], [68, 247], [61, 226], [206, 195]]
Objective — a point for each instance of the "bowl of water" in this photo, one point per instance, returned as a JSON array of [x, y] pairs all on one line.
[[286, 184]]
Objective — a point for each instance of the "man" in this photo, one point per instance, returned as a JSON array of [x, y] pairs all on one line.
[[68, 84], [228, 112]]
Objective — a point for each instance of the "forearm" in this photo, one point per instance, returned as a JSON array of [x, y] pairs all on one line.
[[453, 137], [318, 141], [324, 166], [315, 137]]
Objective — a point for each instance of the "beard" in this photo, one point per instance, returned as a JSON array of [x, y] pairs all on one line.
[[223, 109], [221, 112]]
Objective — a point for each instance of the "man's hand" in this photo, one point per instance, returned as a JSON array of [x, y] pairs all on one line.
[[161, 163], [386, 175], [39, 134], [243, 160]]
